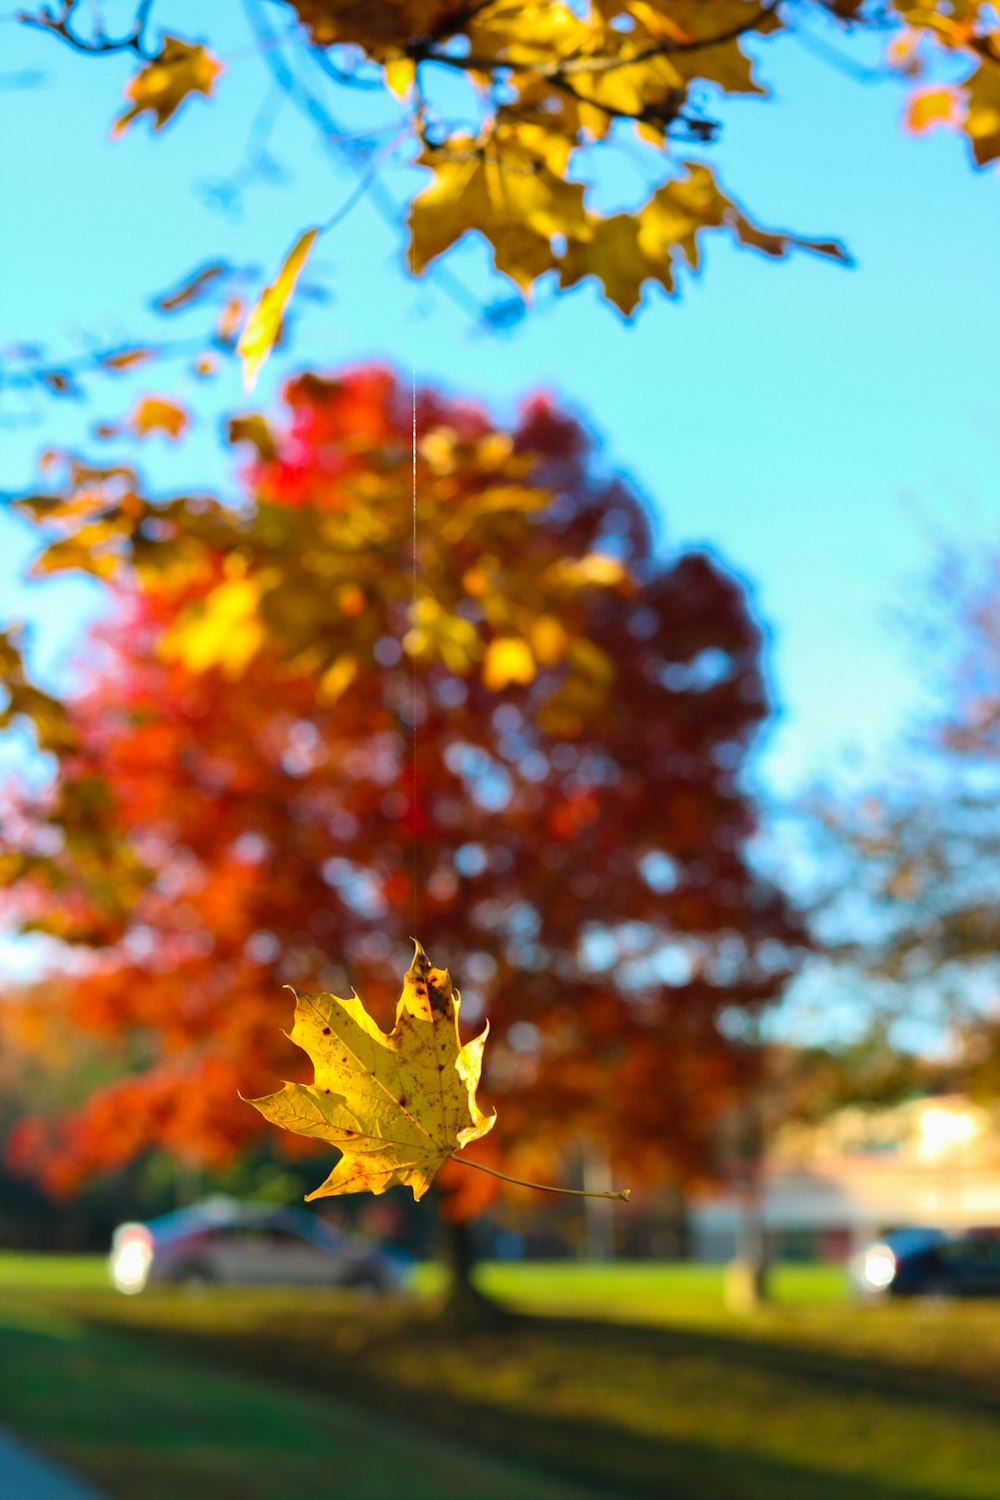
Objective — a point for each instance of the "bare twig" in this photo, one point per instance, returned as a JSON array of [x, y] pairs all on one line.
[[363, 186], [335, 137], [99, 45], [426, 50]]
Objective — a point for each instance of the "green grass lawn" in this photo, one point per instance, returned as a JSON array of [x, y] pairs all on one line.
[[68, 1271], [636, 1382], [642, 1289], [150, 1423], [645, 1292]]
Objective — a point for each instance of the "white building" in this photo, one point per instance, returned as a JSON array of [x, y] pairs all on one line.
[[826, 1189]]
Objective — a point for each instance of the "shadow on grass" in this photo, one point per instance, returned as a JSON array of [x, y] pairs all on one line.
[[393, 1367], [148, 1422], [852, 1374]]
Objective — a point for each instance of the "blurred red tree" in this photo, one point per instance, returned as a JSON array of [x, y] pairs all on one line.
[[536, 764]]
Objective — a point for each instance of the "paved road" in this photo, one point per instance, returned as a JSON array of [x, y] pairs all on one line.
[[26, 1475]]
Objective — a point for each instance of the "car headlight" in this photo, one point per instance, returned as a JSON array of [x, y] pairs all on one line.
[[131, 1258], [878, 1268]]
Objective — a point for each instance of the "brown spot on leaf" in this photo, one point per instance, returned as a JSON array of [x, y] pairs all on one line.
[[439, 1001]]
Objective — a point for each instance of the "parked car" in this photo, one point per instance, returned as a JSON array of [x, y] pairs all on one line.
[[929, 1263], [248, 1243]]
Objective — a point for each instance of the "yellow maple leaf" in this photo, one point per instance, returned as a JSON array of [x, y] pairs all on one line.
[[251, 427], [337, 678], [639, 84], [179, 69], [937, 106], [982, 116], [549, 640], [376, 25], [513, 33], [437, 633], [397, 1105], [616, 257], [693, 25], [400, 73], [223, 631], [593, 570], [508, 186], [627, 250], [157, 414], [508, 659], [264, 323]]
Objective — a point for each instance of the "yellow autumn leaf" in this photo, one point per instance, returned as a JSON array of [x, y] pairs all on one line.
[[21, 699], [337, 678], [509, 32], [157, 414], [639, 85], [549, 640], [124, 359], [494, 451], [251, 427], [627, 250], [695, 26], [224, 631], [593, 570], [937, 106], [508, 660], [672, 219], [376, 25], [902, 51], [179, 69], [264, 323], [399, 76], [591, 661], [439, 449], [774, 243], [230, 319], [615, 255], [397, 1105], [982, 115], [437, 634], [509, 188]]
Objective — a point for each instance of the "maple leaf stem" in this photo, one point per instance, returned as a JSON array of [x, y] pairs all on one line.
[[541, 1187]]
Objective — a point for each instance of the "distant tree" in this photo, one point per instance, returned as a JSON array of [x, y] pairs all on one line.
[[908, 898], [523, 742], [808, 1084]]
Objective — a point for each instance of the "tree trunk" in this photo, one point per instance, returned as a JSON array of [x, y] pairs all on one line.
[[463, 1302], [748, 1277]]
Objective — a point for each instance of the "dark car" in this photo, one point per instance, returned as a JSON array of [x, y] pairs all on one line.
[[929, 1263], [248, 1244]]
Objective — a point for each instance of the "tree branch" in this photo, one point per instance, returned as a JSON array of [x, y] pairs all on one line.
[[99, 45], [423, 49]]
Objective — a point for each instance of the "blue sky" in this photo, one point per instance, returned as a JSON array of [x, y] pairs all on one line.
[[812, 425]]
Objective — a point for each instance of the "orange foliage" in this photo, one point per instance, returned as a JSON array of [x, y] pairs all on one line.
[[583, 874]]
